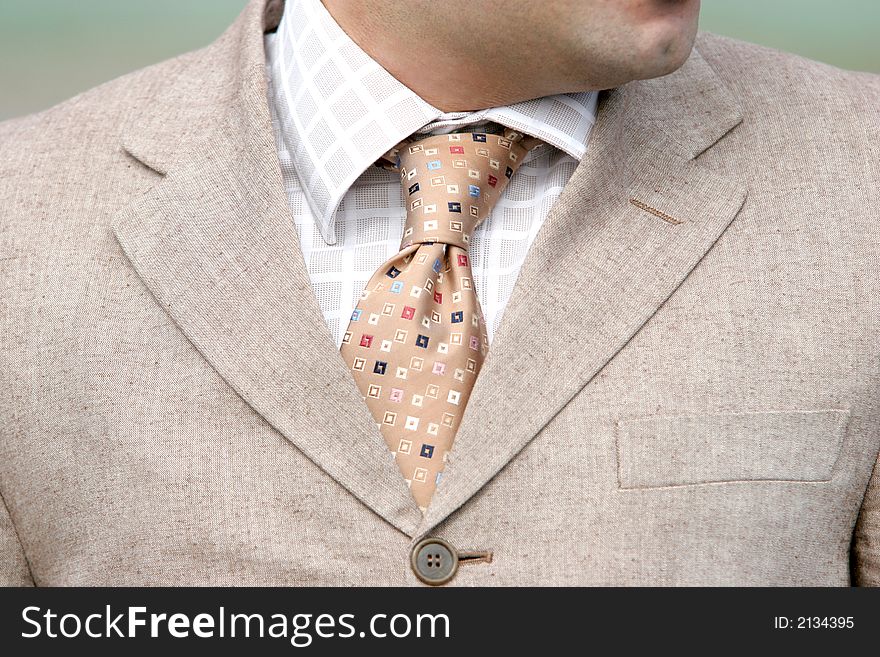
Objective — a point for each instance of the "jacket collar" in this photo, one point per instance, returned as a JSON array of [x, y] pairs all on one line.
[[214, 242]]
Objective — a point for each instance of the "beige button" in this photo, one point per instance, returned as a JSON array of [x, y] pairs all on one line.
[[434, 561]]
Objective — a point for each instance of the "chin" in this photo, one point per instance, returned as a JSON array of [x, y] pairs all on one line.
[[663, 45], [671, 55], [637, 40], [641, 61]]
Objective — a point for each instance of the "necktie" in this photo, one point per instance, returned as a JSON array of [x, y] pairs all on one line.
[[417, 337]]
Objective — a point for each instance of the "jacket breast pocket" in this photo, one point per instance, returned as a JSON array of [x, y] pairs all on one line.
[[795, 446]]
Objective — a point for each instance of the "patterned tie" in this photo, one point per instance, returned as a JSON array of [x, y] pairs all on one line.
[[417, 338]]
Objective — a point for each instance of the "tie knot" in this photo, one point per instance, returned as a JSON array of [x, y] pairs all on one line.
[[452, 182]]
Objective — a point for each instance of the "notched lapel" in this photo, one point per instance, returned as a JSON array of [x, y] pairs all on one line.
[[215, 243], [637, 216]]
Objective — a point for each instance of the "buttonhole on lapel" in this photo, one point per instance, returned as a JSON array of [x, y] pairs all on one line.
[[466, 557], [657, 213]]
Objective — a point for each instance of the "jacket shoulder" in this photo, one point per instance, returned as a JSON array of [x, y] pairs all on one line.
[[819, 114], [91, 117], [784, 80]]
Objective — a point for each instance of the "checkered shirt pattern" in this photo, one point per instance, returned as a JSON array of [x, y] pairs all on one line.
[[336, 111]]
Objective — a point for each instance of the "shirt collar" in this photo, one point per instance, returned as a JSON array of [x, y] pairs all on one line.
[[339, 110]]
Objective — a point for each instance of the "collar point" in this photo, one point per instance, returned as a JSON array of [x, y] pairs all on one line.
[[327, 229]]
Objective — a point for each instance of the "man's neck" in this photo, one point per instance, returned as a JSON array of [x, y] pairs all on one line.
[[453, 72]]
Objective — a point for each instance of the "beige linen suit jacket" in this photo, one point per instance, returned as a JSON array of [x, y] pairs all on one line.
[[692, 398]]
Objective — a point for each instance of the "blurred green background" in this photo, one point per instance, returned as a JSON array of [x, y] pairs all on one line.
[[53, 49]]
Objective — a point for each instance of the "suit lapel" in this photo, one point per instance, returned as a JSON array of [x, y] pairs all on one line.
[[215, 243], [637, 216]]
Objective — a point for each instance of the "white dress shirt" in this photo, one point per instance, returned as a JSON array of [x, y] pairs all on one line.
[[335, 111]]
